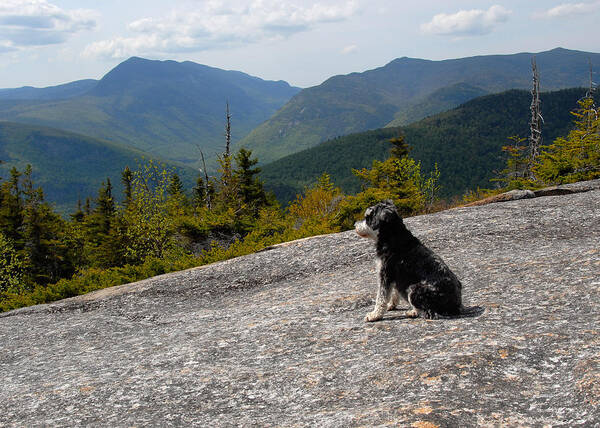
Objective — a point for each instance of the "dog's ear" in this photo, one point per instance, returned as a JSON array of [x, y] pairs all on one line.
[[380, 214]]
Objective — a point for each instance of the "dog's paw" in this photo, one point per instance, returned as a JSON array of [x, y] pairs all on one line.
[[373, 316], [411, 314]]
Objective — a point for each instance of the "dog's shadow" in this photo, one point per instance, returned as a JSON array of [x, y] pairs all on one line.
[[467, 312]]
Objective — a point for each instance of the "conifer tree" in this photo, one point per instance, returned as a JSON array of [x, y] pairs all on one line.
[[576, 157], [101, 236], [126, 177], [250, 188], [199, 193], [11, 210], [44, 252], [175, 185], [78, 216]]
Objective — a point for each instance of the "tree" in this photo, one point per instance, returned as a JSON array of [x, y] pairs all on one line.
[[576, 157], [11, 267], [199, 193], [515, 174], [103, 247], [11, 209], [535, 124], [250, 188], [42, 232], [175, 185], [126, 177], [147, 221]]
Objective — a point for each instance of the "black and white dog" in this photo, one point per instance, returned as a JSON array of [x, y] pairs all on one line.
[[407, 268]]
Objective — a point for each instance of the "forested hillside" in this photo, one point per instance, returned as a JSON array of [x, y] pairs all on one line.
[[165, 108], [69, 166], [401, 91], [465, 142]]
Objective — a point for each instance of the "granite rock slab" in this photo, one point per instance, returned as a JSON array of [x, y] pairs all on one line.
[[277, 338]]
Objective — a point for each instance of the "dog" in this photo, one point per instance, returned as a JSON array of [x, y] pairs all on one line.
[[408, 269]]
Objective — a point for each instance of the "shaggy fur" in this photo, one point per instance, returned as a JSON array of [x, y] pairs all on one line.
[[407, 268]]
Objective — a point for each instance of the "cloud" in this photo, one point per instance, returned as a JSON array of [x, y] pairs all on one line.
[[568, 9], [349, 49], [475, 22], [219, 24], [27, 23]]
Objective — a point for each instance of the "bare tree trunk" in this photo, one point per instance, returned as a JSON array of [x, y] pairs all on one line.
[[535, 138], [228, 133]]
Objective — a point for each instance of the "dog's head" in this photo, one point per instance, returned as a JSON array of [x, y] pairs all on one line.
[[377, 217]]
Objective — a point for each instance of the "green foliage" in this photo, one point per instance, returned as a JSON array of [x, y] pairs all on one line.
[[398, 178], [577, 156], [514, 175], [250, 188], [148, 220], [317, 207], [12, 268]]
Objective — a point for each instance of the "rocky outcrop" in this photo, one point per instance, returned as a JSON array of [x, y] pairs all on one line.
[[277, 338]]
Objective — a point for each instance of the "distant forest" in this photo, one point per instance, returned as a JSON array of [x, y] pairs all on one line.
[[465, 142]]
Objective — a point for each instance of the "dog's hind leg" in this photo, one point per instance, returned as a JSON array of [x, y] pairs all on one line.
[[421, 297]]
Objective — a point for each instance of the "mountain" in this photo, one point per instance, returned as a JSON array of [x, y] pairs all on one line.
[[69, 166], [166, 108], [465, 142], [402, 91], [440, 100], [59, 92]]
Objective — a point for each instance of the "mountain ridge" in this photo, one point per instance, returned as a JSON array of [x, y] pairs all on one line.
[[356, 102], [166, 108]]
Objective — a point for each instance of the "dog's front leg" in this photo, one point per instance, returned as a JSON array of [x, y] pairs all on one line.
[[383, 296]]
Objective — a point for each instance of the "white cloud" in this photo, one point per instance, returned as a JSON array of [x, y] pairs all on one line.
[[26, 23], [567, 9], [475, 22], [349, 49], [217, 24]]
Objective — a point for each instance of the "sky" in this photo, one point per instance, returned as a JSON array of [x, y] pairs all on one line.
[[304, 42]]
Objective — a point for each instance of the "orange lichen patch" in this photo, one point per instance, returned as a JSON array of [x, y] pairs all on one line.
[[425, 410], [589, 386], [503, 353], [424, 424], [429, 379]]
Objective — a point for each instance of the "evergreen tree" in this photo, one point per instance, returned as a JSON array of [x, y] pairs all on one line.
[[126, 177], [199, 193], [11, 209], [576, 157], [102, 240], [250, 188], [175, 185], [400, 147], [42, 230], [78, 216]]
